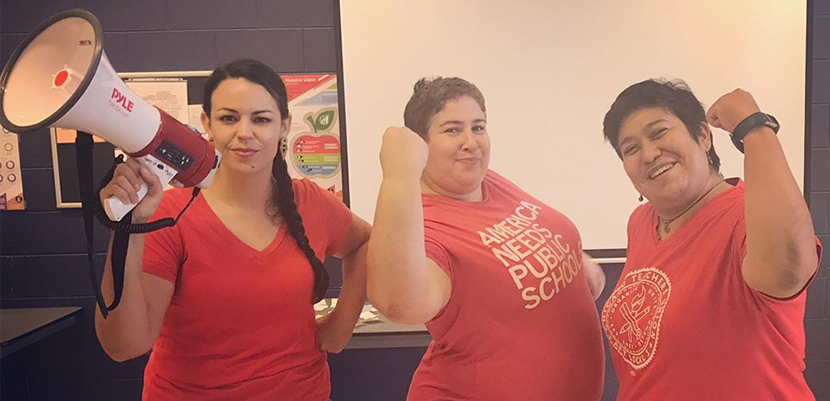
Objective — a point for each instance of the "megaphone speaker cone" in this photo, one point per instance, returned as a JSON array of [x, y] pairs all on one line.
[[50, 70]]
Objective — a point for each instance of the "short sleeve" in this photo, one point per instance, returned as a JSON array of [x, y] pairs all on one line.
[[631, 226], [325, 217], [436, 251], [164, 249], [639, 225], [739, 242]]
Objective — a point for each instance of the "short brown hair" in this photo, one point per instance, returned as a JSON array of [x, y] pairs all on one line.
[[429, 97]]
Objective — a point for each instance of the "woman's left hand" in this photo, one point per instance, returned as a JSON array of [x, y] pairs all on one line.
[[732, 108], [334, 332]]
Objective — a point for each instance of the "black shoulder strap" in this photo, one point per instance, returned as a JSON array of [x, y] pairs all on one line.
[[91, 206], [83, 156]]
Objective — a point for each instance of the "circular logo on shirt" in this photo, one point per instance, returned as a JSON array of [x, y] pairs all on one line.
[[633, 314]]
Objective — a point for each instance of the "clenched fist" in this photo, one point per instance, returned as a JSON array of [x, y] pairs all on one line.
[[403, 154], [731, 109], [125, 183]]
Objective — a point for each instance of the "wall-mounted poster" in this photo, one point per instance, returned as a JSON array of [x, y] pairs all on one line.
[[11, 184], [314, 149]]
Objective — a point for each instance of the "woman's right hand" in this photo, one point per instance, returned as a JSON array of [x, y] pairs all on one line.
[[125, 183], [403, 153]]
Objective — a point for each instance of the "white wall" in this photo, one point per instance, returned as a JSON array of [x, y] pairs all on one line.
[[549, 71]]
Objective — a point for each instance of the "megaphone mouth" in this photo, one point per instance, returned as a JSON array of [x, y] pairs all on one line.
[[61, 77]]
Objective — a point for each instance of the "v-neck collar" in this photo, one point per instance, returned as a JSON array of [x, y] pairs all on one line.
[[260, 254], [694, 221]]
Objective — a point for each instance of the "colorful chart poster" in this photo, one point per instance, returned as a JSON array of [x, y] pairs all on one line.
[[314, 149], [11, 184]]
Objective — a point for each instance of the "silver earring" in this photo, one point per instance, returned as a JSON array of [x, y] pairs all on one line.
[[709, 157]]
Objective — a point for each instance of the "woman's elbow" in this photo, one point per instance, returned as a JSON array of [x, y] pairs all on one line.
[[397, 310], [120, 353], [784, 279], [803, 259], [405, 314], [119, 350]]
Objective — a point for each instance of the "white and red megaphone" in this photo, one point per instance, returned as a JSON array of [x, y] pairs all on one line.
[[60, 77]]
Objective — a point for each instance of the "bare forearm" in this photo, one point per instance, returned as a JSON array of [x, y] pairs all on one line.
[[396, 259], [780, 237], [353, 295], [125, 333]]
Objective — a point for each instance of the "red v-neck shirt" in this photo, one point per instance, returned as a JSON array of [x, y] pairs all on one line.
[[240, 324], [684, 325]]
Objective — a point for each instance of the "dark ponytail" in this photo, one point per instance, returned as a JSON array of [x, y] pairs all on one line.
[[281, 202]]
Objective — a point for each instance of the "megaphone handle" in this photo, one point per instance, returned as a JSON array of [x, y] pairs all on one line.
[[116, 210]]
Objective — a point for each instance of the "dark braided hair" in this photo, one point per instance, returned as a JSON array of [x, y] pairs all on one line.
[[281, 202], [284, 200]]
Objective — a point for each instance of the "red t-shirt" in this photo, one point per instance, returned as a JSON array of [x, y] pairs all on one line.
[[241, 325], [684, 325], [520, 323]]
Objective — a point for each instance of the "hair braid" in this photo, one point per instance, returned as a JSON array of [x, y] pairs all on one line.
[[284, 202], [282, 198]]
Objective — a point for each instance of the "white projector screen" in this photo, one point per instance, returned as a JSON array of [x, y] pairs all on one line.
[[549, 71]]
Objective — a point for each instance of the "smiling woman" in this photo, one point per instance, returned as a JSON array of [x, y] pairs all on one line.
[[722, 262], [491, 270], [666, 147], [459, 150], [240, 129], [225, 297]]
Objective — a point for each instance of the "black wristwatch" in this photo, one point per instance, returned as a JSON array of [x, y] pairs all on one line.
[[755, 120]]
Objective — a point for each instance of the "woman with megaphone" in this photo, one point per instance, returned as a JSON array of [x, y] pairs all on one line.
[[224, 298]]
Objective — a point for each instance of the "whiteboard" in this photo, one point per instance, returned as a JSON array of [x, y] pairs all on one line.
[[549, 71]]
